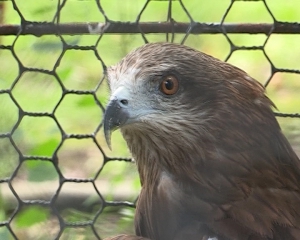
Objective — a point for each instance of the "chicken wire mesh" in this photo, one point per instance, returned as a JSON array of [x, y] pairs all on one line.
[[58, 179]]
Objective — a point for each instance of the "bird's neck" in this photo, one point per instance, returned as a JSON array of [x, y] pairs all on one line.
[[154, 154]]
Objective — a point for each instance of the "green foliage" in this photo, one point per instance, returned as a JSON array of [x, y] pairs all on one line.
[[39, 171], [31, 215]]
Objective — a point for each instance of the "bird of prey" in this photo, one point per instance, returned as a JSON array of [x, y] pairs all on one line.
[[212, 159]]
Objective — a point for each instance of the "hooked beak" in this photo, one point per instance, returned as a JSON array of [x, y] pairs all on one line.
[[123, 109], [116, 115]]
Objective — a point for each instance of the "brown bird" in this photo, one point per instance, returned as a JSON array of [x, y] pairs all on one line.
[[212, 159]]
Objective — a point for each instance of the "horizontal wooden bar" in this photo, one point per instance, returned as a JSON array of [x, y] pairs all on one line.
[[46, 28]]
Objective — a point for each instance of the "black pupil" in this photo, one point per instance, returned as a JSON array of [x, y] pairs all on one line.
[[169, 84]]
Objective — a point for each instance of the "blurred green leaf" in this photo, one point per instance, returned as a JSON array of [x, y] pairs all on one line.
[[86, 102], [39, 171], [45, 148], [31, 216]]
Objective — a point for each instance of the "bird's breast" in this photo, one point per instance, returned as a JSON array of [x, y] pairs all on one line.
[[158, 211], [169, 189]]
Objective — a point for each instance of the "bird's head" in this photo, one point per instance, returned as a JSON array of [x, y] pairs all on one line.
[[171, 95]]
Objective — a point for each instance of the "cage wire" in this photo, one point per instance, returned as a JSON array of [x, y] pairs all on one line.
[[58, 179]]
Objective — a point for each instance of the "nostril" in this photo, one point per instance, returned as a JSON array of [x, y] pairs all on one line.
[[124, 102]]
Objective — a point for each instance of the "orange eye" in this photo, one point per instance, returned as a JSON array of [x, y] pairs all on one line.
[[169, 85]]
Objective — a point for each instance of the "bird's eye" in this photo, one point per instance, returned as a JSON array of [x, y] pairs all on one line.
[[169, 85]]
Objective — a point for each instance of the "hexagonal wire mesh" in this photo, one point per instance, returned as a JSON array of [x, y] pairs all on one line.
[[58, 179]]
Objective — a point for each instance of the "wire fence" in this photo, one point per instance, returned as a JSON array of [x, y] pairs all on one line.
[[58, 179]]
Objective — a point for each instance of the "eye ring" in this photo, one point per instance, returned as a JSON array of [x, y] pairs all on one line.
[[169, 85]]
